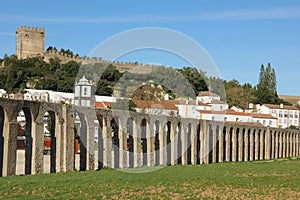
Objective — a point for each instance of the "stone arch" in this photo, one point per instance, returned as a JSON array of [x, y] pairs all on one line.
[[2, 118], [115, 141], [238, 134]]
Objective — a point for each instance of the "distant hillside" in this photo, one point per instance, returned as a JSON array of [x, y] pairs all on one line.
[[292, 99]]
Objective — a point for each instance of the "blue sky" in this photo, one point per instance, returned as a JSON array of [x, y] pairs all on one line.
[[239, 36]]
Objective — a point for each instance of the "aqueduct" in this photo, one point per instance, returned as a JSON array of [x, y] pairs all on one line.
[[130, 140]]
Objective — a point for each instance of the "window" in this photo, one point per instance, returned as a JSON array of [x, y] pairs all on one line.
[[85, 91], [264, 122], [270, 122], [296, 122], [284, 121], [280, 113], [285, 113], [291, 114], [296, 114], [280, 121]]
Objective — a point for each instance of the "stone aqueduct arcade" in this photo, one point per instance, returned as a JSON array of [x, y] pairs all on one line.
[[129, 140]]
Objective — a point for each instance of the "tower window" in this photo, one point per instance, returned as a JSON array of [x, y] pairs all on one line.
[[85, 91]]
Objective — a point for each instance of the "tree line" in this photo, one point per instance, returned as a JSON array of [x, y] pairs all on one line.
[[34, 73]]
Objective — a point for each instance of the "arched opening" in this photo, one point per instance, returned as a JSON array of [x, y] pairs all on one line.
[[238, 137], [217, 144], [24, 142], [224, 143], [249, 144], [168, 130], [115, 142], [100, 142], [231, 144], [130, 147], [144, 141], [1, 140], [156, 142], [49, 120], [189, 144], [179, 148]]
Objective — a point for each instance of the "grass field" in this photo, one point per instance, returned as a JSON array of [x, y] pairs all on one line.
[[279, 179]]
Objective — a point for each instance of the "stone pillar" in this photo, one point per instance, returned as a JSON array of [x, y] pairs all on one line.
[[37, 148], [202, 142], [240, 141], [213, 134], [193, 144], [90, 162], [297, 144], [234, 144], [206, 141], [261, 145], [58, 142], [294, 144], [221, 144], [68, 139], [280, 144], [174, 142], [273, 145], [107, 142], [276, 143], [10, 148], [122, 143], [256, 152], [287, 140], [227, 140], [136, 132], [251, 144], [284, 144], [184, 132], [267, 144], [150, 144], [246, 145], [291, 144]]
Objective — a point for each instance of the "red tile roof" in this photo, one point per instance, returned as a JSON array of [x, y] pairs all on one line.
[[207, 93], [102, 104], [167, 105], [275, 106]]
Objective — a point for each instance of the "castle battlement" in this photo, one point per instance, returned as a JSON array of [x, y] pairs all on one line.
[[30, 29]]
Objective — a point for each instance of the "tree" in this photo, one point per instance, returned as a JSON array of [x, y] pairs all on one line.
[[195, 78], [266, 89]]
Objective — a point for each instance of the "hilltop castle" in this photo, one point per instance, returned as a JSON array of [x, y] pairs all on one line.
[[30, 43]]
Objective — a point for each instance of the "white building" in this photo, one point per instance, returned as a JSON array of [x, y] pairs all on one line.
[[156, 107], [287, 115], [188, 108], [207, 97]]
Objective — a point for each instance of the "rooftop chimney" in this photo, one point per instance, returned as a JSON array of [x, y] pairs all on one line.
[[281, 105]]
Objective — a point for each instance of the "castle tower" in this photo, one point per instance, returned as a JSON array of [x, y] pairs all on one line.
[[29, 42]]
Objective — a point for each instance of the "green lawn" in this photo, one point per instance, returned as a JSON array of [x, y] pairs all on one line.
[[279, 179]]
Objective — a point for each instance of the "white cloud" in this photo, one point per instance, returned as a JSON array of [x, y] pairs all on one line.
[[258, 14]]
